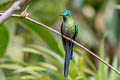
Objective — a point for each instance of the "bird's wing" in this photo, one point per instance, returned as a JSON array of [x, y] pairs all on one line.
[[76, 32], [63, 39]]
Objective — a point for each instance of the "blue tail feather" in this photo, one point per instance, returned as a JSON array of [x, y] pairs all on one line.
[[68, 49]]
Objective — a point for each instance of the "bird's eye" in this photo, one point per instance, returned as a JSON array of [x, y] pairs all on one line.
[[68, 15]]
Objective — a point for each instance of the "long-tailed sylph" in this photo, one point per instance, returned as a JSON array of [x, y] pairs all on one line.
[[69, 28]]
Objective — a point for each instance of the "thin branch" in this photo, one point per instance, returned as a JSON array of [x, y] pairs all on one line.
[[76, 43], [15, 6]]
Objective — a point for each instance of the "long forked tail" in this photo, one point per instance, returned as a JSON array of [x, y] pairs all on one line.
[[68, 49]]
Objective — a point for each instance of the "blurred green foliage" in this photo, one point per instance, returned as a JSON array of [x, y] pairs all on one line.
[[41, 10], [4, 4], [30, 52], [4, 38]]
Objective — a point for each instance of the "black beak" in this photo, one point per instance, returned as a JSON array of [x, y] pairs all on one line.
[[61, 15]]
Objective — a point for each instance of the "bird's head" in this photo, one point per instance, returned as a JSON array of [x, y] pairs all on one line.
[[66, 14]]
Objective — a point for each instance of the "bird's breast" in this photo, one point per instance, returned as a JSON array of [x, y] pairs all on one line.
[[69, 23], [69, 29]]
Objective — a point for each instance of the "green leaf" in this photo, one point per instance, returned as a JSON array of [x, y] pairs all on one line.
[[24, 77], [87, 70], [72, 70], [81, 52], [13, 61], [34, 70], [47, 15], [42, 32], [113, 75], [116, 6], [2, 75], [49, 52], [101, 50], [49, 55], [101, 69], [31, 70], [15, 78], [4, 1], [48, 66], [4, 4], [10, 66], [4, 37], [11, 27], [46, 78]]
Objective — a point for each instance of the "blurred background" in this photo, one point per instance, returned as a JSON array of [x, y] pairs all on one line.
[[31, 52]]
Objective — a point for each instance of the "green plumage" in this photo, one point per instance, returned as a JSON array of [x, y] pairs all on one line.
[[69, 28]]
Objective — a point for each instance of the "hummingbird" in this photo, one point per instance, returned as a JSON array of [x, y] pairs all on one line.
[[69, 28]]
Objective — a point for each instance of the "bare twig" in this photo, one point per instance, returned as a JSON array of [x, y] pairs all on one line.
[[76, 43], [15, 6], [25, 13]]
